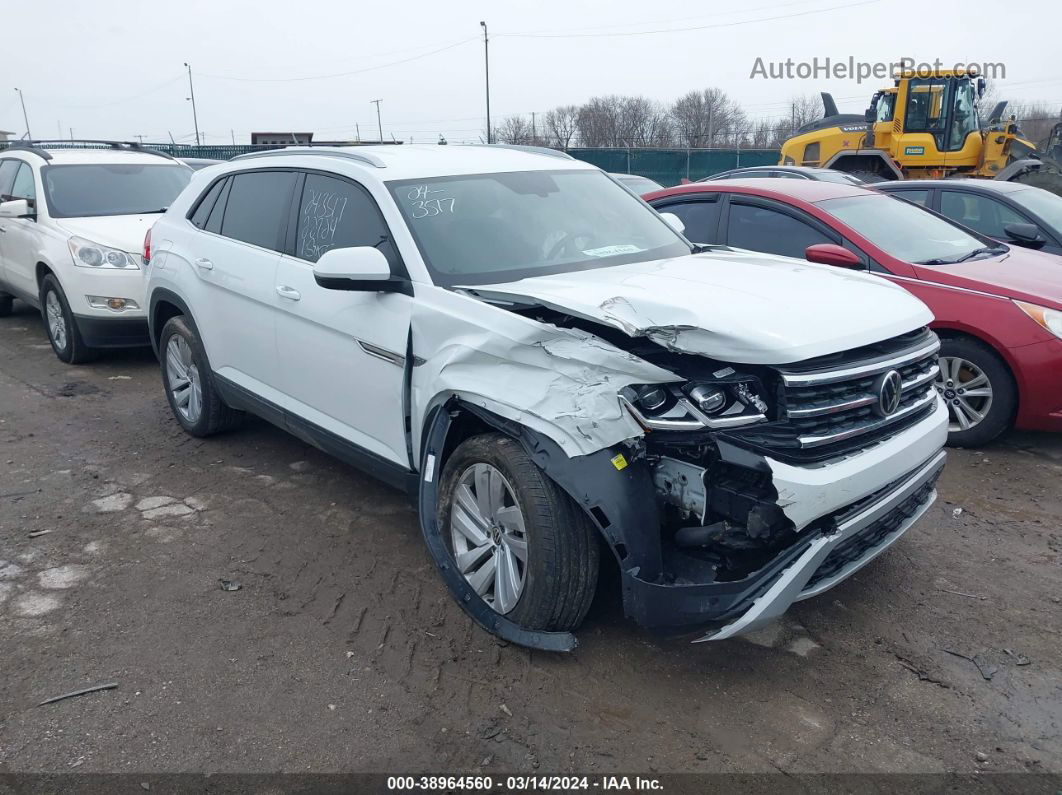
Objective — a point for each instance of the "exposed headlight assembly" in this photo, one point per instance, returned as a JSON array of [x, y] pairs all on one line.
[[87, 254], [695, 405], [1048, 319]]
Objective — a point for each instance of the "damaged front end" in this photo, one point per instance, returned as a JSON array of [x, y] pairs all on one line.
[[748, 487]]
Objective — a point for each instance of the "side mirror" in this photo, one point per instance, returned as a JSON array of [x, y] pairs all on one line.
[[1026, 235], [17, 208], [362, 268], [674, 222], [870, 115], [832, 254]]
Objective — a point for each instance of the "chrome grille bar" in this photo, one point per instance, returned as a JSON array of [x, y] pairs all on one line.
[[862, 400], [791, 378]]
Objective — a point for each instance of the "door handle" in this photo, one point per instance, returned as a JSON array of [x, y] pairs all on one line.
[[288, 292], [204, 264]]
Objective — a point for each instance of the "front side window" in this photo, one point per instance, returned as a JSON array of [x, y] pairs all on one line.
[[81, 190], [985, 215], [257, 208], [1043, 203], [770, 231], [489, 228], [8, 169], [334, 213], [700, 217], [964, 115], [23, 187], [903, 230]]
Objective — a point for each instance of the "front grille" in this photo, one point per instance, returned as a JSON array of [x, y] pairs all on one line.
[[859, 544], [831, 405]]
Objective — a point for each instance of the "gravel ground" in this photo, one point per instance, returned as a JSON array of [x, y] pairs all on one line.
[[341, 650]]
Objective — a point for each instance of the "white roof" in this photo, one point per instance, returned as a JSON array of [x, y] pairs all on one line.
[[413, 161], [104, 156]]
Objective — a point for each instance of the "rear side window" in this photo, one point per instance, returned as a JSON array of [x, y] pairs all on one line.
[[7, 177], [257, 208], [770, 231], [700, 217], [24, 187], [217, 214], [334, 213], [206, 204], [917, 196]]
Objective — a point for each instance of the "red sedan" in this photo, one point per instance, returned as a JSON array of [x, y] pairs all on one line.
[[998, 308]]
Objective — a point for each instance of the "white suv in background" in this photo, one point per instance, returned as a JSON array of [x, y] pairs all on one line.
[[553, 370], [72, 224]]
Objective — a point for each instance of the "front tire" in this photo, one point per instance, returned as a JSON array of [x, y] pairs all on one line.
[[7, 305], [63, 332], [517, 538], [189, 383], [978, 389]]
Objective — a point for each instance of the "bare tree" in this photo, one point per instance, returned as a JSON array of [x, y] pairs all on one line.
[[707, 118], [562, 125], [513, 130]]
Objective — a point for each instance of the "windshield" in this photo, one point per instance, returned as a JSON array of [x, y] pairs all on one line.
[[487, 228], [95, 189], [640, 185], [904, 230], [1043, 203]]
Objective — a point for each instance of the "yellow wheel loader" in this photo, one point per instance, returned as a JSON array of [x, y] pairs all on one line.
[[926, 127]]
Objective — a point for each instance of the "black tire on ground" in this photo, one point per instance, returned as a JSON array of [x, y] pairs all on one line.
[[562, 547], [72, 349], [6, 305], [868, 177], [1004, 391], [215, 415]]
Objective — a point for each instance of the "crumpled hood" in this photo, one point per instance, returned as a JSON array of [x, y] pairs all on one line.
[[737, 306], [123, 232]]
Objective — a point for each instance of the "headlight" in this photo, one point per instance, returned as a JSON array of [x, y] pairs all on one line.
[[695, 405], [87, 254], [1048, 319]]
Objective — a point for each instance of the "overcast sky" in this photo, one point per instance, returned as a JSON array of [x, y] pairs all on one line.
[[114, 69]]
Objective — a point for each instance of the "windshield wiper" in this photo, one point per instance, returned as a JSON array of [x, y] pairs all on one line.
[[150, 212], [935, 261], [983, 250]]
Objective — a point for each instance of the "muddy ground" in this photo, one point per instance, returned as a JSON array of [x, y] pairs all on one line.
[[342, 651]]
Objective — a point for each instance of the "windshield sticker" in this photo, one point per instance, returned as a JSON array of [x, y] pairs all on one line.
[[612, 251], [424, 206]]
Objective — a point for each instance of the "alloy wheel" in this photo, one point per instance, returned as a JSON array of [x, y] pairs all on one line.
[[966, 390], [182, 377], [489, 537], [53, 312]]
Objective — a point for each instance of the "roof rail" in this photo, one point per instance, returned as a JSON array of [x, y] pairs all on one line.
[[533, 150], [36, 146], [25, 147], [370, 159]]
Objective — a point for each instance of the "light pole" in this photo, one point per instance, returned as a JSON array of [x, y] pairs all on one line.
[[486, 74], [379, 125], [25, 118], [195, 115]]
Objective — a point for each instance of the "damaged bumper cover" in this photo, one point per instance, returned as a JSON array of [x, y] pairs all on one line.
[[845, 519]]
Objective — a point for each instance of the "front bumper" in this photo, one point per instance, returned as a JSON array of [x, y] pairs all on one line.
[[847, 512], [1039, 369], [113, 331]]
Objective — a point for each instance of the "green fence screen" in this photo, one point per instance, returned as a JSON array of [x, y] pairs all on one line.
[[666, 166]]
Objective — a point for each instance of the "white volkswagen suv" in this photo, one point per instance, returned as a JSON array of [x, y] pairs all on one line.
[[72, 223], [554, 371]]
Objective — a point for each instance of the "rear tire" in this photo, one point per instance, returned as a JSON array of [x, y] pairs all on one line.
[[189, 382], [558, 576], [59, 324], [975, 381], [7, 304]]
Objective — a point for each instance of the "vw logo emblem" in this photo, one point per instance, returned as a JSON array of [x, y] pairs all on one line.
[[890, 389]]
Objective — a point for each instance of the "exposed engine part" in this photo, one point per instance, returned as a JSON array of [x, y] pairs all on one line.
[[681, 484], [700, 536]]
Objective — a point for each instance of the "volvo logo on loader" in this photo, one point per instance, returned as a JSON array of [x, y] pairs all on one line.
[[889, 389]]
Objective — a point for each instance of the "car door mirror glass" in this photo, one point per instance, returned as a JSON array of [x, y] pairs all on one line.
[[17, 208], [674, 222], [832, 254], [1024, 235]]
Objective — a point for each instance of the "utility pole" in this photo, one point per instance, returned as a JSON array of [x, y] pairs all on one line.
[[357, 132], [195, 115], [232, 134], [534, 132], [379, 124], [486, 74], [25, 118]]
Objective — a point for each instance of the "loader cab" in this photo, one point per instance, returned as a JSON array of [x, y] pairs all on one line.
[[939, 114]]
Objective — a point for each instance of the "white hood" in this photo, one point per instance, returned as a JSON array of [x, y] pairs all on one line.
[[123, 232], [736, 306]]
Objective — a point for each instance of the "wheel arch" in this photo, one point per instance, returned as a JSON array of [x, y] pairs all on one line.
[[163, 305], [865, 160]]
